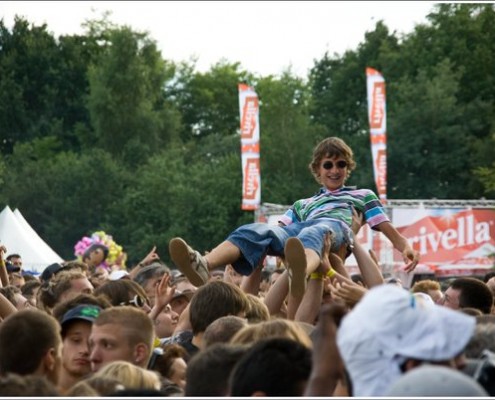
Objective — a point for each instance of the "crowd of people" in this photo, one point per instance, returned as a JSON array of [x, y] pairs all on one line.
[[225, 324]]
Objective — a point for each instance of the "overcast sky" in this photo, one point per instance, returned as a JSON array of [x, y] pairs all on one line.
[[266, 37]]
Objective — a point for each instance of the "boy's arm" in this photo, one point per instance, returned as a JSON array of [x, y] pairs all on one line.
[[411, 257]]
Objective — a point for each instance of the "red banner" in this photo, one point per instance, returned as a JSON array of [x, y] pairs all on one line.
[[250, 148], [377, 118]]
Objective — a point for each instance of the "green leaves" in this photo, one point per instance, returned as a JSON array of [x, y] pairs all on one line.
[[101, 132]]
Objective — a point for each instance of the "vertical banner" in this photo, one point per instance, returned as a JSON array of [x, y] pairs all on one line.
[[250, 147], [377, 117]]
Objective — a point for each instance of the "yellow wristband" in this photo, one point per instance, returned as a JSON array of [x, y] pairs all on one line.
[[316, 275], [331, 273]]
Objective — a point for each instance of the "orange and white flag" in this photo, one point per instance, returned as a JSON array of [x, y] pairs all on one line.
[[250, 147], [377, 117]]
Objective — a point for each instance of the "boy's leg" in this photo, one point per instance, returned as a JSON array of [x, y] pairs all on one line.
[[195, 266], [300, 263]]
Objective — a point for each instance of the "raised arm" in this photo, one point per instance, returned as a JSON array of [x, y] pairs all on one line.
[[410, 256], [4, 277]]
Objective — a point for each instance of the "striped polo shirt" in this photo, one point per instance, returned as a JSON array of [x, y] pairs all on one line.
[[337, 204]]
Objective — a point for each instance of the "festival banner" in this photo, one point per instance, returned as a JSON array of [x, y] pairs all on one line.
[[250, 148], [377, 118]]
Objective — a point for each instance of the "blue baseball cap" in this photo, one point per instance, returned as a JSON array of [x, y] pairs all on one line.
[[85, 312]]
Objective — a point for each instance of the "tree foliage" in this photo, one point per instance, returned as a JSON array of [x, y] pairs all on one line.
[[100, 131]]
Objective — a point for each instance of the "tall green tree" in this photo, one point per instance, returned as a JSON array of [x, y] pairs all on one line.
[[208, 101], [129, 113], [29, 65]]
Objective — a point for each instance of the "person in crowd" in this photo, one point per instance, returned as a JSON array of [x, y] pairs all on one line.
[[390, 331], [50, 271], [165, 322], [96, 386], [16, 261], [30, 291], [172, 364], [272, 367], [14, 385], [184, 291], [30, 343], [280, 328], [482, 339], [17, 279], [300, 236], [468, 292], [208, 371], [122, 333], [435, 381], [328, 376], [150, 276], [214, 300], [76, 327], [429, 287], [63, 286], [258, 311], [264, 281], [124, 292], [130, 375], [14, 295], [222, 330]]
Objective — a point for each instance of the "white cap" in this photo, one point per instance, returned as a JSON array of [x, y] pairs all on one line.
[[436, 381], [390, 325], [118, 274]]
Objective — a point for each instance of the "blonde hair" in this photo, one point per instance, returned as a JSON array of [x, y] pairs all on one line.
[[257, 311], [136, 323], [130, 375], [425, 285], [275, 328]]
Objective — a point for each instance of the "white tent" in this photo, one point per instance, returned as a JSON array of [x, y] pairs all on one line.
[[19, 237]]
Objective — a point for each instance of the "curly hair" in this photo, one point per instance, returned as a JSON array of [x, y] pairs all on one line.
[[331, 147]]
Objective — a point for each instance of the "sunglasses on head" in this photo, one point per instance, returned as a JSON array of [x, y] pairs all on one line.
[[136, 301], [339, 164]]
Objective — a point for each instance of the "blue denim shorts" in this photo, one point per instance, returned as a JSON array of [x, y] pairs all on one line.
[[257, 240]]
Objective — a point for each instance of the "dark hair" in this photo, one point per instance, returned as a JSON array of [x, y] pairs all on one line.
[[25, 337], [29, 287], [488, 276], [331, 147], [94, 247], [275, 367], [27, 386], [473, 293], [214, 300], [11, 256], [208, 371], [120, 291], [358, 278], [163, 362], [9, 292]]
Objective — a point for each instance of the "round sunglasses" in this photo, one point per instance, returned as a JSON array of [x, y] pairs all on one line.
[[341, 164]]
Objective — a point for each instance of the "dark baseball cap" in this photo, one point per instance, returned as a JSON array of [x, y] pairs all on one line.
[[49, 271], [85, 312]]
